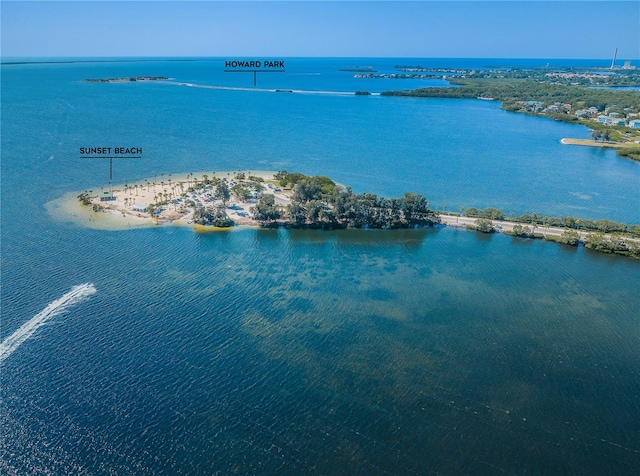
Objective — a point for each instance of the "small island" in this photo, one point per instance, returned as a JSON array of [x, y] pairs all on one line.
[[126, 80]]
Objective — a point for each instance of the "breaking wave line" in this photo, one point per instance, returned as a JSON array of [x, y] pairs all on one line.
[[77, 294]]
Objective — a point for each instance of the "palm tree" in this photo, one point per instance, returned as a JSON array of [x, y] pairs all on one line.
[[461, 210]]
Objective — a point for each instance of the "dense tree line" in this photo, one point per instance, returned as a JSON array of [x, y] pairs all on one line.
[[513, 91], [604, 226], [605, 236], [568, 76], [317, 202], [612, 243]]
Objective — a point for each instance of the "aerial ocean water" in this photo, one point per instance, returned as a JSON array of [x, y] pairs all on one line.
[[432, 351]]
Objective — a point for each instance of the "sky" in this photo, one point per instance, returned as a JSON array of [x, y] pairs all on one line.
[[444, 29]]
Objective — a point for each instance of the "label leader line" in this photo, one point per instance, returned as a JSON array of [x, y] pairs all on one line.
[[255, 67], [106, 153]]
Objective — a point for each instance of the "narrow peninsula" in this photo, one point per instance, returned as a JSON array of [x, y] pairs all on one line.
[[293, 200]]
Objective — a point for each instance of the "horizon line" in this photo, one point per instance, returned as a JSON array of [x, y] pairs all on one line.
[[195, 57]]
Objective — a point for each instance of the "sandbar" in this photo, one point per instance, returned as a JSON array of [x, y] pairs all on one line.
[[595, 143]]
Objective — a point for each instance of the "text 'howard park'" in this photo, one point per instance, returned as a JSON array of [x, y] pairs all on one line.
[[277, 64]]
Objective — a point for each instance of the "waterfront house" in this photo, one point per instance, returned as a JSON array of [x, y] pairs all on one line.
[[140, 207]]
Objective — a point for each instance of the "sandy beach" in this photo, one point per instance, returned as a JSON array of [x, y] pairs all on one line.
[[125, 206]]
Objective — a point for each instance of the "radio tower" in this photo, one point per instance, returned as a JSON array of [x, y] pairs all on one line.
[[615, 53]]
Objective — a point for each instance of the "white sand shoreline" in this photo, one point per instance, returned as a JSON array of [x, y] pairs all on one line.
[[117, 210]]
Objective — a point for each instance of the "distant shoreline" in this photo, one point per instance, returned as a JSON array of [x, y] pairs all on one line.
[[126, 80]]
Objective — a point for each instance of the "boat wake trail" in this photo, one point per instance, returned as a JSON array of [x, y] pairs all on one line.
[[77, 294]]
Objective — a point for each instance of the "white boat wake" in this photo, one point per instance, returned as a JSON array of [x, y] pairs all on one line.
[[77, 294]]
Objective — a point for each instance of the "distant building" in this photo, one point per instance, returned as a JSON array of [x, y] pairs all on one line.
[[140, 207], [611, 121], [635, 124], [533, 106]]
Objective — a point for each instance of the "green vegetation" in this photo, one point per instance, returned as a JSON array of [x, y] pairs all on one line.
[[556, 101], [318, 202], [84, 198], [511, 92], [605, 236], [630, 153], [490, 213], [524, 232], [245, 191], [266, 211], [222, 192], [482, 225], [613, 243], [604, 226], [573, 76], [216, 216], [568, 237]]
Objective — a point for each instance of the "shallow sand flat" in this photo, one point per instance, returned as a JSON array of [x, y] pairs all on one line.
[[69, 209], [593, 143]]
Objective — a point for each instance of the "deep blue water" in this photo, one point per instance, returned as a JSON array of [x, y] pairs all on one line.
[[266, 352]]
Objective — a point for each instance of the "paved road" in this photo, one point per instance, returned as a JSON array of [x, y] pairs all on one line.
[[502, 226]]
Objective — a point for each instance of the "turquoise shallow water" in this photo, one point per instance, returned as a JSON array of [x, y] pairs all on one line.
[[270, 351]]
